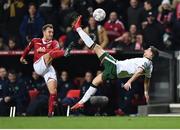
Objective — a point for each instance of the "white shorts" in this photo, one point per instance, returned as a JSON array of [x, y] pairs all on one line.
[[47, 72]]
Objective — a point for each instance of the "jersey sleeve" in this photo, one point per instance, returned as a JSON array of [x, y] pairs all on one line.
[[55, 44], [28, 49], [144, 64], [147, 67], [148, 72]]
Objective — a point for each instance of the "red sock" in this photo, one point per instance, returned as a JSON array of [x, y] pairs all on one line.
[[52, 102], [55, 53]]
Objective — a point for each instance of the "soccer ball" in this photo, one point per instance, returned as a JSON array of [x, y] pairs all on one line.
[[99, 14]]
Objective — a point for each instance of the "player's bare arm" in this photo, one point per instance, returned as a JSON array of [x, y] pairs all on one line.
[[146, 88], [138, 73]]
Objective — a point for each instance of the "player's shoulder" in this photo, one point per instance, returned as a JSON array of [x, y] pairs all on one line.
[[147, 61], [141, 60], [54, 41], [34, 40], [144, 59]]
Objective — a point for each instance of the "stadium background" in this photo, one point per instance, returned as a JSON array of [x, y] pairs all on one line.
[[14, 36]]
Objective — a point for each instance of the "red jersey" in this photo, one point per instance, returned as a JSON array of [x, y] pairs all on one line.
[[38, 43], [114, 29]]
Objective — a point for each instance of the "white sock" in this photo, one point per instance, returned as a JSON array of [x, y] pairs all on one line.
[[91, 91], [87, 40]]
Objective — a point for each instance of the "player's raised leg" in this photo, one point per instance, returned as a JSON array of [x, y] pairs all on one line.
[[99, 52], [77, 27], [87, 40], [56, 53], [53, 54]]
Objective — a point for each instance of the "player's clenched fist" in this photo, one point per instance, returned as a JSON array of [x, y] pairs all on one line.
[[23, 61], [127, 86]]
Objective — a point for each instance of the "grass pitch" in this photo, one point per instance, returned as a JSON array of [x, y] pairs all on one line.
[[90, 122]]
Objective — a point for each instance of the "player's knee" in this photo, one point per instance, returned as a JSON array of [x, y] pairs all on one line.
[[52, 86], [47, 58], [93, 85], [93, 47], [52, 90], [97, 47], [96, 82]]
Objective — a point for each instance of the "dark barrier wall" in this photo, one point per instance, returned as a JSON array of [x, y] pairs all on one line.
[[177, 55], [162, 82]]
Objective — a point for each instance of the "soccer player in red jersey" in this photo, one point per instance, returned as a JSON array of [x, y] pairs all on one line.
[[45, 50]]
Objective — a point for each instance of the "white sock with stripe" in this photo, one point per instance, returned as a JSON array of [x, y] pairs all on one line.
[[87, 40], [91, 91]]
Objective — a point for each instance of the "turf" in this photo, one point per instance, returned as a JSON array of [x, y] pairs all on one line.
[[90, 122]]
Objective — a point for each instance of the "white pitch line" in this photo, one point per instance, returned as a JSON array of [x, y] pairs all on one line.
[[165, 115]]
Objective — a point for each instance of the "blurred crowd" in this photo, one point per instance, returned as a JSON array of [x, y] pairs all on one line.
[[129, 24], [30, 95]]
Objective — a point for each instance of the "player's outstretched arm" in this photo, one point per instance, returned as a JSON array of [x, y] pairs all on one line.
[[26, 51], [138, 73], [146, 88], [23, 61]]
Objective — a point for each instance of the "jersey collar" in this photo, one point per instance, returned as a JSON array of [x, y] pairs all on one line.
[[46, 42], [148, 58]]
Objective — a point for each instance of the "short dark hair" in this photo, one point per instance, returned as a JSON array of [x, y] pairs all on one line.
[[12, 38], [155, 51], [12, 71], [47, 26], [149, 2], [32, 4]]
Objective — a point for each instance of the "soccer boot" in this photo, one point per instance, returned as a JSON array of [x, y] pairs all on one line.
[[77, 106], [68, 49], [77, 22]]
